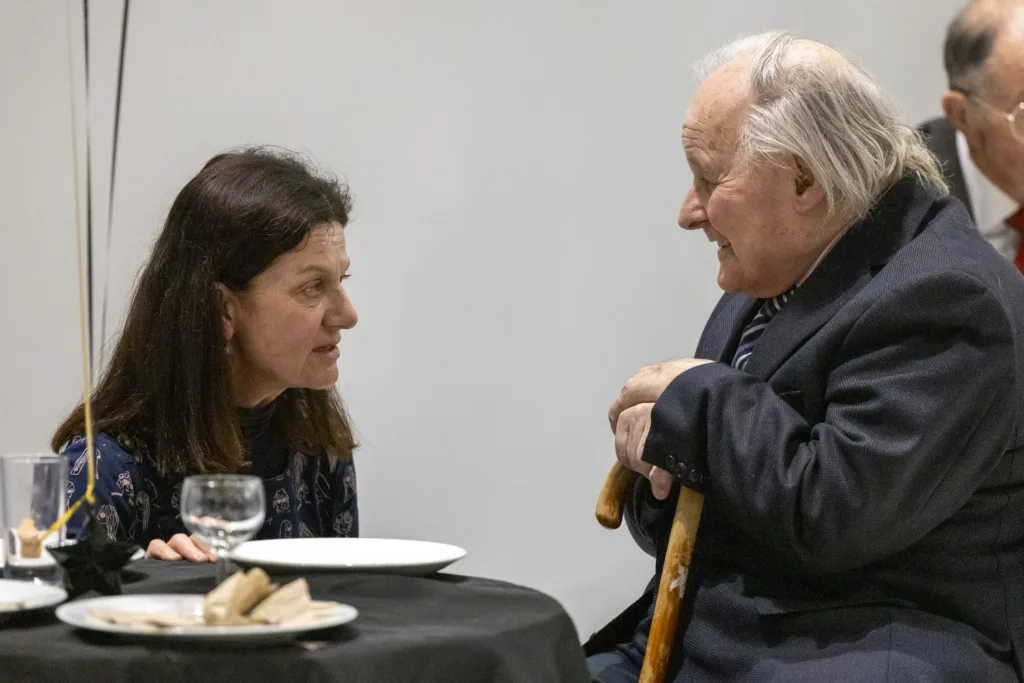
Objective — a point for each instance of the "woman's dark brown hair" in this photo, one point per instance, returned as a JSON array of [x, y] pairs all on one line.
[[168, 376]]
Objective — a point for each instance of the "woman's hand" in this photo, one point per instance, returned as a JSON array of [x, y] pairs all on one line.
[[180, 547]]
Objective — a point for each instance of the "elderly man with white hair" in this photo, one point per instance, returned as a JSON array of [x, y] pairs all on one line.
[[854, 411]]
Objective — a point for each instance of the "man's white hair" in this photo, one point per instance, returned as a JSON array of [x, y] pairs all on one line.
[[822, 107]]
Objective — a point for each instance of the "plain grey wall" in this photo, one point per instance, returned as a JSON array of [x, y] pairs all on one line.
[[517, 173]]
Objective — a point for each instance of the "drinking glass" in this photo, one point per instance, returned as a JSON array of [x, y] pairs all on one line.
[[34, 497], [223, 511]]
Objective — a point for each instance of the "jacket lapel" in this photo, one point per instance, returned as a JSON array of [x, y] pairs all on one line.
[[720, 337], [810, 307]]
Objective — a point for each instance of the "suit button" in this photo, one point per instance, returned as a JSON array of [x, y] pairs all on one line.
[[695, 480], [677, 468]]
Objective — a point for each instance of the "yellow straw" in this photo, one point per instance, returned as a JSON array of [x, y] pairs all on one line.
[[86, 389]]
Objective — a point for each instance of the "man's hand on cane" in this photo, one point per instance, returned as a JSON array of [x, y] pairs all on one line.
[[630, 418]]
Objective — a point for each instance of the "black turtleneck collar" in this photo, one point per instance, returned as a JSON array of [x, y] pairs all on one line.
[[254, 421], [264, 443]]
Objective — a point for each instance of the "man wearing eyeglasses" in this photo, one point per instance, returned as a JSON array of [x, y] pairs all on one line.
[[980, 142]]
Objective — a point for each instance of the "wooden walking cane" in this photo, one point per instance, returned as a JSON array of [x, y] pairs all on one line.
[[610, 505]]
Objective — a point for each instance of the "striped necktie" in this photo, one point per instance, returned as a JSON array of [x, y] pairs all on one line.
[[756, 327]]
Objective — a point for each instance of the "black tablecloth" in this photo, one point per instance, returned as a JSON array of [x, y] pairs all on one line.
[[439, 629]]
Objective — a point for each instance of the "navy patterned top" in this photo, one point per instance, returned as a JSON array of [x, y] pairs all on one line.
[[306, 495]]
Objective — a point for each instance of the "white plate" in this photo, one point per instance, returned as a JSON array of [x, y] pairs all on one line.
[[381, 555], [76, 614], [24, 596]]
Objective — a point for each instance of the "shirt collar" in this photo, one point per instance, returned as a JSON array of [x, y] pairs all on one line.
[[822, 256]]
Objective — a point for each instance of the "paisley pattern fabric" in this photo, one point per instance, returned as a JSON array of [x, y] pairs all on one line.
[[312, 497]]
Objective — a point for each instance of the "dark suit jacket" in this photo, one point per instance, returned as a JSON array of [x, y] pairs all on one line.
[[864, 476], [940, 137]]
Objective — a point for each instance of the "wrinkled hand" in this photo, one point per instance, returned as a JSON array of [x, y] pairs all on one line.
[[647, 385], [180, 547], [631, 431]]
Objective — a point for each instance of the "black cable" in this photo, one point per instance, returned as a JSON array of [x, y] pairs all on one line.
[[113, 170], [88, 186]]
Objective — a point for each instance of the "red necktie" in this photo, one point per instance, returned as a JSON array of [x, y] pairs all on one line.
[[1016, 221]]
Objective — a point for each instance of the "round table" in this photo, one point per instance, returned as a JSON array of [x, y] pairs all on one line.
[[439, 629]]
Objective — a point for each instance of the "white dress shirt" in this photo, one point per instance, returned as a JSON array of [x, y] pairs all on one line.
[[991, 205]]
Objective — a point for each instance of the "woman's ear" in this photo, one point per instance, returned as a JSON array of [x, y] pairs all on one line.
[[229, 310]]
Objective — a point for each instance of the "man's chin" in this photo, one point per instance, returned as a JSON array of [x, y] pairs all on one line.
[[728, 283]]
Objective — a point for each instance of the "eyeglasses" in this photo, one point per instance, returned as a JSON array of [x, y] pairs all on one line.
[[1015, 117]]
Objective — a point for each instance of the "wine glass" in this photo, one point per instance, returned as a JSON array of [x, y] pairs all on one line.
[[223, 510]]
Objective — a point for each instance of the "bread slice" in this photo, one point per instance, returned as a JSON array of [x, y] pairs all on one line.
[[283, 603], [229, 603]]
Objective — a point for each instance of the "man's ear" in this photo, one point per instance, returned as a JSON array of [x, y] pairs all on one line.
[[954, 106], [809, 193], [229, 310]]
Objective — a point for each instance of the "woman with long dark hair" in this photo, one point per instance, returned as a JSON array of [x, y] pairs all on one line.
[[227, 362]]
